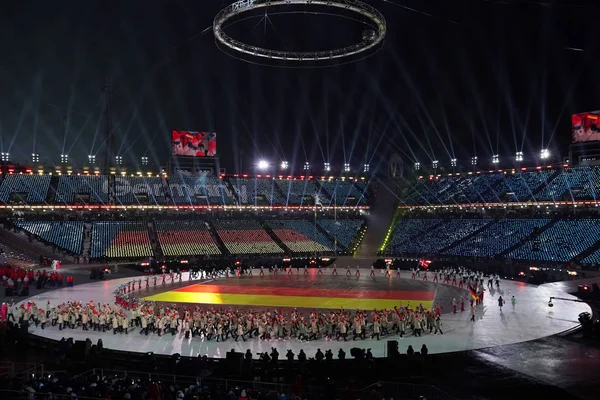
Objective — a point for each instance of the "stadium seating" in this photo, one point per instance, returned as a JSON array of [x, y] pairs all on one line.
[[186, 238], [245, 237], [344, 231], [120, 240], [257, 192], [30, 189], [301, 236], [561, 242], [496, 238], [92, 189], [440, 237], [344, 193], [300, 192], [202, 190], [408, 229], [140, 190], [67, 235]]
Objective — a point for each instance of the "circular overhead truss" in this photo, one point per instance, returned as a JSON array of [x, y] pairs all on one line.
[[372, 38]]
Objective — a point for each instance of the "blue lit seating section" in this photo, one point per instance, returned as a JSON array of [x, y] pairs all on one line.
[[581, 183], [206, 190], [186, 238], [92, 189], [257, 192], [301, 236], [441, 236], [140, 190], [561, 242], [299, 192], [120, 239], [245, 236], [344, 231], [30, 189], [343, 193], [67, 235], [408, 229], [496, 238], [593, 258]]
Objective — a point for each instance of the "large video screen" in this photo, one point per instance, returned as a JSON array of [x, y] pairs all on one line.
[[585, 127], [193, 143]]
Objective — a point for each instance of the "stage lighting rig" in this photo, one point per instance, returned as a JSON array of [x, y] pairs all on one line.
[[417, 166], [435, 164], [366, 168], [118, 160], [474, 160], [453, 162], [64, 158], [346, 167], [306, 166], [35, 158], [519, 156], [284, 165], [495, 159], [263, 165], [545, 154], [144, 160], [327, 167], [4, 157]]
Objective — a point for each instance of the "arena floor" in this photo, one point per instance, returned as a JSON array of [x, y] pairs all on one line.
[[529, 319]]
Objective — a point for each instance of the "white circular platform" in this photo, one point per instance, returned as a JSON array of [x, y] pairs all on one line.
[[529, 319]]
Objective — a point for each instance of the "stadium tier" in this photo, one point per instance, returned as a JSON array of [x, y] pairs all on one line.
[[205, 190], [561, 242], [257, 192], [246, 237], [140, 190], [67, 235], [120, 240], [301, 236], [497, 238], [406, 230], [299, 192], [87, 189], [344, 193], [28, 189], [344, 231], [186, 238]]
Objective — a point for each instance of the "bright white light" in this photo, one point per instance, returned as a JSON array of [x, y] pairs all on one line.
[[144, 160], [519, 156], [306, 166], [118, 160], [263, 164], [435, 164], [284, 165], [366, 168], [417, 166], [496, 159], [346, 167], [64, 158], [5, 157], [474, 160], [35, 157], [327, 167], [92, 159], [453, 162], [544, 154]]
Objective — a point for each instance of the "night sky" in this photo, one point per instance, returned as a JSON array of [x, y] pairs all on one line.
[[454, 79]]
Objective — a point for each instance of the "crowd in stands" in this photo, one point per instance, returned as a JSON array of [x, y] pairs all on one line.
[[67, 235], [117, 239], [182, 238], [82, 189], [31, 189], [343, 231], [246, 236], [301, 236]]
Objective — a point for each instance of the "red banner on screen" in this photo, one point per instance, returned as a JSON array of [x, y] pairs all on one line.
[[585, 127], [193, 143]]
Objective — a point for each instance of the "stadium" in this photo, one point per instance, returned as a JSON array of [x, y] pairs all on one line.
[[188, 271]]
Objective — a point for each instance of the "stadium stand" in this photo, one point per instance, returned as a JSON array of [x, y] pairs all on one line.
[[561, 242], [344, 231], [120, 240], [186, 238], [520, 187], [67, 235], [440, 237], [140, 190], [344, 193], [202, 190], [497, 238], [257, 192], [89, 189], [245, 237], [299, 192], [408, 229], [301, 236], [29, 189]]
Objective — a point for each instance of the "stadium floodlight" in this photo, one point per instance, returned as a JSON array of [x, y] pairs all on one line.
[[366, 168], [35, 157], [544, 154], [435, 164], [5, 157], [453, 162], [346, 167], [118, 160], [495, 159], [92, 159], [144, 160], [262, 165], [417, 166], [64, 158], [519, 156], [306, 166], [284, 165], [327, 167], [474, 160]]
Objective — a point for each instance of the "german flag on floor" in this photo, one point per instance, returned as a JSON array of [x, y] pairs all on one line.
[[318, 298]]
